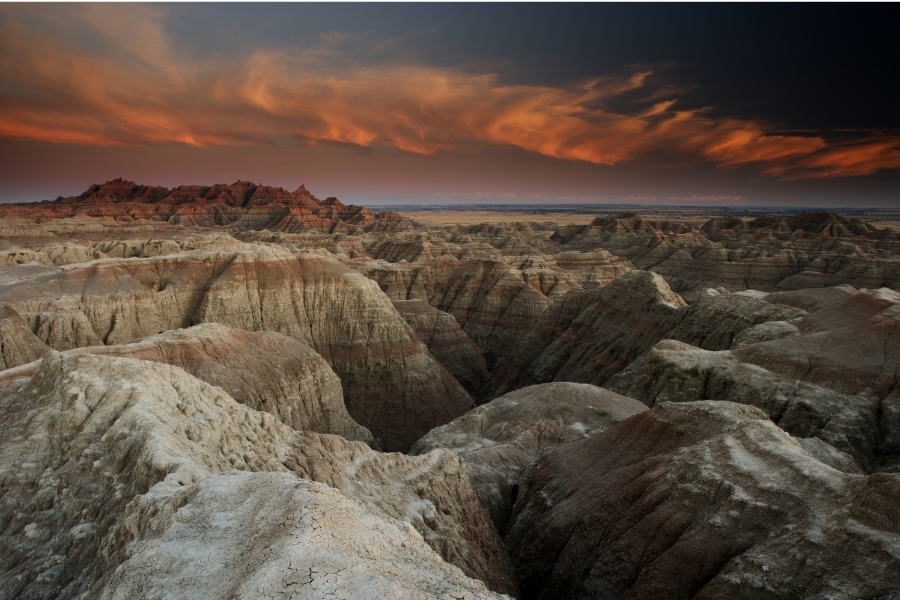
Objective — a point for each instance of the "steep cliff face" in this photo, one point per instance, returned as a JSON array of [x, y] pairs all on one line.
[[447, 342], [589, 335], [18, 344], [489, 299], [266, 371], [701, 500], [392, 385], [142, 462]]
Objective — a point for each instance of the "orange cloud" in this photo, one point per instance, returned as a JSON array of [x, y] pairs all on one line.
[[146, 91]]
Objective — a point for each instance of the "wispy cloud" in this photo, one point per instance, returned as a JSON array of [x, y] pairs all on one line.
[[134, 86]]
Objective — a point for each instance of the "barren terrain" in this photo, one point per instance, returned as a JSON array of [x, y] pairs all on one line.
[[241, 391]]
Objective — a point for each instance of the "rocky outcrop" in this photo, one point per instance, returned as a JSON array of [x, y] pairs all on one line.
[[829, 373], [265, 371], [489, 299], [702, 500], [812, 300], [110, 465], [498, 439], [714, 321], [591, 334], [767, 253], [241, 206], [850, 345], [18, 345], [447, 342], [47, 255], [392, 385], [268, 536], [677, 372], [730, 221]]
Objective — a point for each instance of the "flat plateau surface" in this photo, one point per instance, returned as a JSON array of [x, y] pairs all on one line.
[[468, 217]]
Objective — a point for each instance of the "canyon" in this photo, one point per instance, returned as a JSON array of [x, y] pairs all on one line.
[[239, 391]]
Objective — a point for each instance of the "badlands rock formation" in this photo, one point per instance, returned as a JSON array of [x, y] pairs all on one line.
[[767, 253], [702, 500], [715, 321], [489, 299], [590, 334], [192, 375], [115, 470], [677, 372], [18, 344], [830, 373], [265, 371], [392, 385], [498, 439], [242, 205], [447, 342]]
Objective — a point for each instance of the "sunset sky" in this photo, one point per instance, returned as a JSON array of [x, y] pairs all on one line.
[[761, 104]]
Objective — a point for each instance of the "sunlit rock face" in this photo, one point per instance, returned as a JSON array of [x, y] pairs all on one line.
[[242, 205]]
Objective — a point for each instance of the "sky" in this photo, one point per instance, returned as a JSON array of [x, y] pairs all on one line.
[[684, 104]]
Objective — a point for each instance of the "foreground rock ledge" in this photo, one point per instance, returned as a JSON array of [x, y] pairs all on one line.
[[263, 370], [109, 467]]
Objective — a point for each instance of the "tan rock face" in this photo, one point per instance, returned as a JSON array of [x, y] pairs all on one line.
[[447, 342], [498, 439], [264, 370], [123, 449], [392, 385], [489, 299], [18, 344], [268, 535], [768, 253], [46, 255], [494, 297], [702, 500], [430, 492]]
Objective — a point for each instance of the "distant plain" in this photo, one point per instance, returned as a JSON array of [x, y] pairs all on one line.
[[582, 214]]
